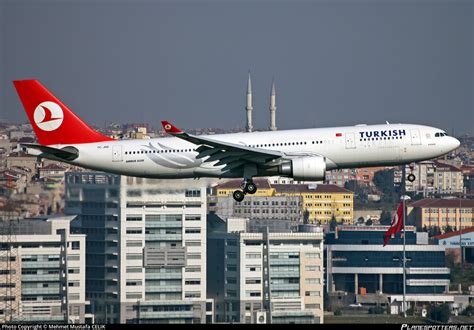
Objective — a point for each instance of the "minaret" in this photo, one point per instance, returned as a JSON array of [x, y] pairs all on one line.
[[249, 107], [273, 108]]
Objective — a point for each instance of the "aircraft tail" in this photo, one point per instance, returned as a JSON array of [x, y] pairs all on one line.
[[52, 121]]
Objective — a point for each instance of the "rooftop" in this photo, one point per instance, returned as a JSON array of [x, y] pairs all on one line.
[[439, 202], [309, 188], [454, 233]]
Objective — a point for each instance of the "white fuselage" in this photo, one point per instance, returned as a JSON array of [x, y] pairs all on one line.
[[343, 147]]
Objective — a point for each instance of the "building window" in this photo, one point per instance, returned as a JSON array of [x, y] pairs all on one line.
[[193, 193]]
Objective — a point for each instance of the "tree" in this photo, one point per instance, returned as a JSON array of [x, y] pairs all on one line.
[[306, 217], [448, 229], [384, 181], [385, 218], [361, 220], [333, 224], [360, 193], [440, 313], [369, 222]]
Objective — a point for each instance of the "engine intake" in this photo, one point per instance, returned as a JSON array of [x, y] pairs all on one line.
[[311, 168]]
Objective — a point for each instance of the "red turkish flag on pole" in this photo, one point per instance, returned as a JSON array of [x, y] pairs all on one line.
[[396, 226]]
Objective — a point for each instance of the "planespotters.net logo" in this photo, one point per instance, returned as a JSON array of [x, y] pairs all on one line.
[[48, 116], [437, 327]]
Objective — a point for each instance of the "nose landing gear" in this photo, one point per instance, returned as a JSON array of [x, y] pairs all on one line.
[[248, 187]]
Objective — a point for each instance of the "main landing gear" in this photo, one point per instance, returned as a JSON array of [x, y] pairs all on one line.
[[411, 177], [248, 187]]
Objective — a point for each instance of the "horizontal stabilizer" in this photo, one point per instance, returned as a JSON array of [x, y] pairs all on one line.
[[66, 153]]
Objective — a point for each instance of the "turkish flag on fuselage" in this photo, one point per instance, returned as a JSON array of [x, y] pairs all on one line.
[[396, 226]]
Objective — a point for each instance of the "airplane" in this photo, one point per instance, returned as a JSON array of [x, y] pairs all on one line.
[[303, 154]]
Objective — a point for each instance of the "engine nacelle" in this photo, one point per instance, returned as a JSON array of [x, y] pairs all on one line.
[[305, 168]]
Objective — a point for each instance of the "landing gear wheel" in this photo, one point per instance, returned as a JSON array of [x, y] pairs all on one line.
[[238, 195], [411, 177], [250, 188]]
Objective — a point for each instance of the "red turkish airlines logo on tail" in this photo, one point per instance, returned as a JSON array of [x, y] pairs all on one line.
[[48, 116]]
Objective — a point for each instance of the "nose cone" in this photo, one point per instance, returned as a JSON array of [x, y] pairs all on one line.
[[454, 143]]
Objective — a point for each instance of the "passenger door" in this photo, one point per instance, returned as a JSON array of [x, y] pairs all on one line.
[[350, 141], [415, 137], [117, 153]]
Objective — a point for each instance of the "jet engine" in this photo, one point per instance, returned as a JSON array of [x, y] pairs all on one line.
[[309, 168]]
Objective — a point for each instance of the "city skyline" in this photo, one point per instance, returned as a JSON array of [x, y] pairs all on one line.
[[334, 63]]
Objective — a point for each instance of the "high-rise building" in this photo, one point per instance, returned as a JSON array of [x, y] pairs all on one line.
[[146, 247], [42, 272], [265, 277]]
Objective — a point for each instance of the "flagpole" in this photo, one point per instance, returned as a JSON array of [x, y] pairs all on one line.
[[404, 260], [404, 199]]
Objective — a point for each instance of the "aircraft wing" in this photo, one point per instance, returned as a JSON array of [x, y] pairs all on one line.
[[229, 154]]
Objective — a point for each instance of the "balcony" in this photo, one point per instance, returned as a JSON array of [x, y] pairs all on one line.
[[40, 291], [163, 237], [163, 288], [39, 277], [284, 262], [285, 287], [164, 224], [163, 276]]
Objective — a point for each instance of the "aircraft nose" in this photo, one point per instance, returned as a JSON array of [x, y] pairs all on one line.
[[455, 143]]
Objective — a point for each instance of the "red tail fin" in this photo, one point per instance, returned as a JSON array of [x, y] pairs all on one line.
[[52, 120]]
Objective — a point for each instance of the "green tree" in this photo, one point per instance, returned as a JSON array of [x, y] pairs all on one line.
[[385, 218], [440, 313], [361, 220], [385, 183], [306, 216], [333, 224], [369, 222], [448, 229], [360, 193]]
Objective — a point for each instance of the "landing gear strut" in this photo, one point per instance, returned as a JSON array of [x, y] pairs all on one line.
[[411, 177], [248, 187]]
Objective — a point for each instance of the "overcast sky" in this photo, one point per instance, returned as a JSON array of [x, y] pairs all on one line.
[[334, 62]]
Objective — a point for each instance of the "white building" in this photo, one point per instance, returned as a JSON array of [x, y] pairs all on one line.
[[265, 278], [146, 247], [43, 272]]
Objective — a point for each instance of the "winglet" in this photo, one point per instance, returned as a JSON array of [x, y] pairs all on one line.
[[170, 128]]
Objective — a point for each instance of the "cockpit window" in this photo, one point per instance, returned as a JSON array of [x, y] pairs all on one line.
[[440, 134]]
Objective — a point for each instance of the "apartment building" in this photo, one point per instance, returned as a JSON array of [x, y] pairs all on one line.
[[437, 212], [42, 272], [146, 247], [265, 277], [320, 202]]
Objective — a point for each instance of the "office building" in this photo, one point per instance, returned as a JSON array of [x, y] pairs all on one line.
[[42, 272], [358, 265], [454, 241], [146, 247], [265, 277]]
